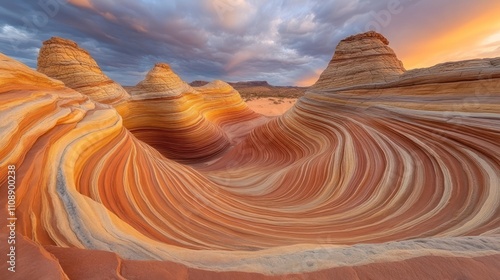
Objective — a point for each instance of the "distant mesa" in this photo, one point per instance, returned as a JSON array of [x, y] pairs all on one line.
[[198, 83], [235, 84], [63, 60], [251, 84], [361, 59], [258, 89]]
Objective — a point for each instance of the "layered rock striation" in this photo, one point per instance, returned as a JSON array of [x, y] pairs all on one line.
[[361, 59], [64, 60], [161, 81], [184, 123]]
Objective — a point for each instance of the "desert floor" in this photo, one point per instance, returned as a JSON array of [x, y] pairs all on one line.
[[271, 106]]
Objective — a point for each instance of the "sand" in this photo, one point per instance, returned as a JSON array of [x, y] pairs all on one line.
[[266, 106]]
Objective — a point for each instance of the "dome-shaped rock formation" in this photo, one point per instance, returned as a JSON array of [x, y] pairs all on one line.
[[361, 59], [64, 60], [161, 81]]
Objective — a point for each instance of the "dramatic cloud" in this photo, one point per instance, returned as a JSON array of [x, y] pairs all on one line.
[[284, 42]]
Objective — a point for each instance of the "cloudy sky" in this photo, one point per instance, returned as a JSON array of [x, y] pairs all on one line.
[[286, 42]]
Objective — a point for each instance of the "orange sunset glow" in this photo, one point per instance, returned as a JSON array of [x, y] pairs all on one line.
[[474, 34], [466, 40]]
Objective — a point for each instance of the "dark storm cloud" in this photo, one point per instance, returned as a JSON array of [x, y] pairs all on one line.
[[279, 41]]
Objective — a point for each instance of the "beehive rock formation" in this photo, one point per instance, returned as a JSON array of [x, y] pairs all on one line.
[[63, 60], [395, 180], [361, 59], [161, 81]]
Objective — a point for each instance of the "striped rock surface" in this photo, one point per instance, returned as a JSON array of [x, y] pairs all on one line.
[[396, 181], [361, 59], [64, 60]]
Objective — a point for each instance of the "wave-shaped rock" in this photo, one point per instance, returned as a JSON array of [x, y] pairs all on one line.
[[185, 123], [164, 113], [182, 123], [223, 105], [353, 181]]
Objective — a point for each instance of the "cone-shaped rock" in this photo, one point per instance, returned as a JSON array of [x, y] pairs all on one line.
[[161, 81], [62, 59], [361, 59]]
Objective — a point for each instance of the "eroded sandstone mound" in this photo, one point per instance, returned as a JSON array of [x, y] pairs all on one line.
[[185, 123], [64, 60], [361, 59], [393, 180], [161, 81]]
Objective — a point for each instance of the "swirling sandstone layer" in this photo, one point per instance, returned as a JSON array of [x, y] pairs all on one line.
[[184, 123], [174, 124], [180, 122], [397, 180]]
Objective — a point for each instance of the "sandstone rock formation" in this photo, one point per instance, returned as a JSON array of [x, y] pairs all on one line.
[[394, 180], [161, 81], [223, 105], [32, 262], [182, 123], [259, 89], [185, 123], [176, 128], [63, 60], [361, 59], [15, 75], [59, 263]]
